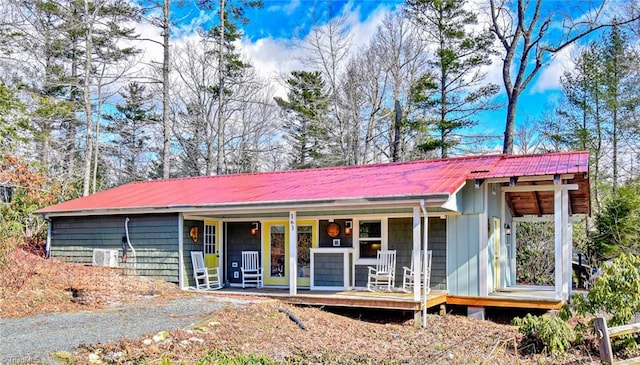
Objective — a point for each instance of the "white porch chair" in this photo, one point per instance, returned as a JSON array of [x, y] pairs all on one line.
[[384, 274], [206, 277], [425, 282], [251, 270]]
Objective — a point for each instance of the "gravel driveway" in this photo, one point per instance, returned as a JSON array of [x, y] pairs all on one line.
[[35, 338]]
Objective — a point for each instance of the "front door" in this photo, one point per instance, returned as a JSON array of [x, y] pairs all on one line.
[[307, 233], [276, 252], [212, 244], [496, 253]]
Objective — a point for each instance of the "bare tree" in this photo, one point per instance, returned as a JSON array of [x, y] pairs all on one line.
[[524, 28]]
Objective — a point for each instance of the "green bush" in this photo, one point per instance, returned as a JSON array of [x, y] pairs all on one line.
[[616, 292], [545, 331]]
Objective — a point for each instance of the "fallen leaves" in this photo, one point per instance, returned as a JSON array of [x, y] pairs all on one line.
[[32, 285], [259, 329]]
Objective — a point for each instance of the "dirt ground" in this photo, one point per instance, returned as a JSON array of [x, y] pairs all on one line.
[[33, 285]]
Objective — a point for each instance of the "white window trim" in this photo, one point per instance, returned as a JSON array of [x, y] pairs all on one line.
[[384, 223]]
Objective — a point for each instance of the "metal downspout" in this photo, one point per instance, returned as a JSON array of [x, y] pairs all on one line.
[[48, 246], [424, 261]]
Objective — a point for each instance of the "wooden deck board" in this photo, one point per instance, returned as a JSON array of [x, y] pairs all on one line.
[[505, 302], [401, 300], [349, 298]]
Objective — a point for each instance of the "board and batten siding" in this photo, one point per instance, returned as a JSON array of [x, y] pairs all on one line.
[[401, 239], [153, 236], [462, 258]]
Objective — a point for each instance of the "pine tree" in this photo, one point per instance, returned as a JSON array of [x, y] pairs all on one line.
[[583, 119], [231, 14], [130, 132], [458, 90], [12, 119], [618, 63], [306, 112]]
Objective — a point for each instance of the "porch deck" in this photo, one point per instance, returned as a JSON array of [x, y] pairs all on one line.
[[348, 298], [519, 296], [514, 297]]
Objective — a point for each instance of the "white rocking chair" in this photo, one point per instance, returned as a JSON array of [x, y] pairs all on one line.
[[251, 270], [207, 278], [408, 272], [384, 274]]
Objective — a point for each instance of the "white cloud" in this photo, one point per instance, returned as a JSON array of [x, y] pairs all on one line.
[[291, 7], [275, 58], [549, 78]]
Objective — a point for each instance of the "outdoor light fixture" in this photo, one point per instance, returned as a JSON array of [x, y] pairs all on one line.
[[507, 229], [255, 228], [193, 233], [348, 227]]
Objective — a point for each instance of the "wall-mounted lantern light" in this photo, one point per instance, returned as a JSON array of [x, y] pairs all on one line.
[[507, 229], [193, 233], [255, 228], [348, 227]]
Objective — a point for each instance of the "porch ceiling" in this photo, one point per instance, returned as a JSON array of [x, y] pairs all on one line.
[[538, 203]]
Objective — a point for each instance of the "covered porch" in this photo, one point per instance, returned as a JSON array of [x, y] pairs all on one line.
[[558, 199]]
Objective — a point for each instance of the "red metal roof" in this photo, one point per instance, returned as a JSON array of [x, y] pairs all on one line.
[[415, 179]]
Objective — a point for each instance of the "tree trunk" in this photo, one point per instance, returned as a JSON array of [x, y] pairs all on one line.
[[220, 94], [87, 101], [396, 127], [510, 122], [165, 92], [97, 141]]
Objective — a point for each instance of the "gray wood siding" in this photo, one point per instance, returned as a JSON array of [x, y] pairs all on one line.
[[154, 238], [462, 254], [238, 239], [401, 240], [188, 245], [361, 273], [328, 269], [326, 241]]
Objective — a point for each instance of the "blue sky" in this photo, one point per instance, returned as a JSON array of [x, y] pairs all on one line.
[[270, 30]]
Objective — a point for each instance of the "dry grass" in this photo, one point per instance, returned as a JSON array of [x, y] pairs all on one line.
[[328, 338], [34, 286]]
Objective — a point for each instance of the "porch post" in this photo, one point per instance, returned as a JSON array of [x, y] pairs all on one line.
[[514, 252], [558, 228], [566, 246], [415, 255], [483, 242], [293, 253], [425, 254]]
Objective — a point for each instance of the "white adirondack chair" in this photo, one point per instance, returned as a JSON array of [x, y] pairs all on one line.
[[251, 270], [207, 278], [383, 276], [408, 272]]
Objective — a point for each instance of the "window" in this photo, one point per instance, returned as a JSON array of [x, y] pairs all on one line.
[[305, 241], [277, 251], [209, 239], [369, 238]]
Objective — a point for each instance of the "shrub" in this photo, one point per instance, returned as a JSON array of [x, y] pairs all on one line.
[[545, 331], [615, 292]]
